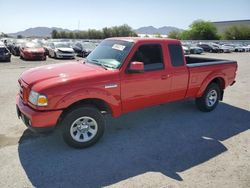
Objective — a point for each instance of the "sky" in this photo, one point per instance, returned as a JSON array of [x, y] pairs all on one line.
[[18, 15]]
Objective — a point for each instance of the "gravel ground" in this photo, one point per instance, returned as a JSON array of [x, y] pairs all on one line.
[[171, 145]]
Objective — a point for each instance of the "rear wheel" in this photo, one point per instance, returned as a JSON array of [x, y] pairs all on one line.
[[210, 99], [83, 127]]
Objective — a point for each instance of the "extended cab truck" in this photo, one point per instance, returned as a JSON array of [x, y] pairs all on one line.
[[121, 75]]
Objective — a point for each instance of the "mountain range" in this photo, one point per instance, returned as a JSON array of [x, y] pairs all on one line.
[[152, 30], [38, 32], [46, 31]]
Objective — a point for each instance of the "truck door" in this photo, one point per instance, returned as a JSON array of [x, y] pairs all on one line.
[[139, 90], [179, 73]]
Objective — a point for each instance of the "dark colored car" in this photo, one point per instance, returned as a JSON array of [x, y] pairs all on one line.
[[83, 49], [15, 47], [5, 54], [32, 51], [209, 48]]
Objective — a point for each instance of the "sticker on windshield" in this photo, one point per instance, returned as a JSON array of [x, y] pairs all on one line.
[[118, 47]]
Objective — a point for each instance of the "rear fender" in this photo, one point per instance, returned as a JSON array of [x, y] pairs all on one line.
[[208, 80]]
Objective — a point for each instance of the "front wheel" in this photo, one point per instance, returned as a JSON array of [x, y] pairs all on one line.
[[55, 56], [83, 127], [210, 99]]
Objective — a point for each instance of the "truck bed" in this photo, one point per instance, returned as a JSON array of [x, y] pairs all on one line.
[[201, 68], [201, 61]]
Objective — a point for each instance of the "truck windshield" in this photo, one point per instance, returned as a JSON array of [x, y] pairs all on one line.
[[110, 53]]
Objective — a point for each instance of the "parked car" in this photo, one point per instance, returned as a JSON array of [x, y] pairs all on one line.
[[195, 49], [230, 48], [236, 47], [209, 48], [83, 49], [15, 47], [186, 50], [46, 48], [61, 50], [246, 48], [5, 54], [121, 75], [222, 48], [43, 43], [32, 51]]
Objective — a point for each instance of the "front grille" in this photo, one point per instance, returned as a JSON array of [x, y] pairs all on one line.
[[65, 52], [37, 53]]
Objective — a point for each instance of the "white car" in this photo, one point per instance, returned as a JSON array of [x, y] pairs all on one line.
[[246, 48], [227, 49], [61, 50]]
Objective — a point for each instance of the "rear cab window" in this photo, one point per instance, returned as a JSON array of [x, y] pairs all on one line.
[[176, 55]]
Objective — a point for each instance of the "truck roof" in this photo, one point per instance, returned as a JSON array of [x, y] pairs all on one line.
[[138, 39]]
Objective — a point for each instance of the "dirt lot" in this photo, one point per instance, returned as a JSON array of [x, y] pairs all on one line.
[[172, 145]]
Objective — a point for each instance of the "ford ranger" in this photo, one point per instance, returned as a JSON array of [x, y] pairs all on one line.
[[121, 75]]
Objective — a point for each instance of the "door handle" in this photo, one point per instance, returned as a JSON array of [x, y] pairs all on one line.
[[163, 77]]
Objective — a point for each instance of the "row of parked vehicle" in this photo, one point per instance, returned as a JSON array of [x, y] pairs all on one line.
[[39, 50], [198, 48]]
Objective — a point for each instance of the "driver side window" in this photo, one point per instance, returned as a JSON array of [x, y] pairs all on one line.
[[150, 55]]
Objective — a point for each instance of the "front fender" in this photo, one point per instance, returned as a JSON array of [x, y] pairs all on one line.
[[111, 99]]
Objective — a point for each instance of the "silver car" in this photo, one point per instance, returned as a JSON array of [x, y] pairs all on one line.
[[61, 50]]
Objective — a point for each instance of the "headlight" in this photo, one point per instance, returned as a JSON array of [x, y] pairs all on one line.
[[38, 99]]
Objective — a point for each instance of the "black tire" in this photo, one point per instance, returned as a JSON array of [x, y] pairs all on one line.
[[202, 102], [8, 60], [69, 123], [55, 55]]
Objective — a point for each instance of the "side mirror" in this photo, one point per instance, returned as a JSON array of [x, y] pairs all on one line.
[[136, 67]]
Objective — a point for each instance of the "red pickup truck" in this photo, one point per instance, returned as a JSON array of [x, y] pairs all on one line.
[[121, 75]]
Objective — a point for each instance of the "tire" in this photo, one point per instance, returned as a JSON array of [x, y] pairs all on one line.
[[210, 98], [78, 123], [55, 55]]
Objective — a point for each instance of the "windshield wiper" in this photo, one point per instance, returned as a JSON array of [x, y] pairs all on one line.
[[97, 62]]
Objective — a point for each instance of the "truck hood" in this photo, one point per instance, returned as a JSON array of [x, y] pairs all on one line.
[[61, 71]]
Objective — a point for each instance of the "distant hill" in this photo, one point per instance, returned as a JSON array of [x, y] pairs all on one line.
[[46, 31], [37, 32], [152, 30]]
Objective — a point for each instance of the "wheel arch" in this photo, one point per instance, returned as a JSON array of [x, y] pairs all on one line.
[[219, 80], [100, 104]]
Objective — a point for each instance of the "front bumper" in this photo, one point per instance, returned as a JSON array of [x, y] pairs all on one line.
[[65, 55], [5, 57], [36, 120], [31, 56]]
